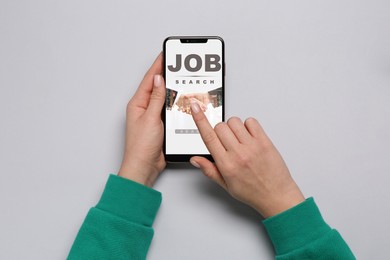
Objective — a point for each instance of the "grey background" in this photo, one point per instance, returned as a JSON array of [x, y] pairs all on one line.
[[315, 73]]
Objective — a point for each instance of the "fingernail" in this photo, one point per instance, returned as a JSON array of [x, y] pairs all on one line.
[[194, 163], [157, 80], [194, 106]]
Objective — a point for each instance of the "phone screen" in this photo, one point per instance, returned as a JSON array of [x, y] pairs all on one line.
[[194, 70]]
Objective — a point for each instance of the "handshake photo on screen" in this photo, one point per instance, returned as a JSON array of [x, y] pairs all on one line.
[[182, 102]]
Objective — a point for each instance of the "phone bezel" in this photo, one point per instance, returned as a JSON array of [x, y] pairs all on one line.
[[192, 39]]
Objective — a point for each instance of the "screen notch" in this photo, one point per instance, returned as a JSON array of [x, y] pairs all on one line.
[[193, 40]]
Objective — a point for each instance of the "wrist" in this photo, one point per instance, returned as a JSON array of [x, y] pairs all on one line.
[[281, 206], [143, 174], [277, 204]]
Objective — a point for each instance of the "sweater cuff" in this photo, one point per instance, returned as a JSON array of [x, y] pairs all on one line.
[[296, 227], [130, 200]]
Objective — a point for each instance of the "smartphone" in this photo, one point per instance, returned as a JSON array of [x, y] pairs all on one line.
[[194, 69]]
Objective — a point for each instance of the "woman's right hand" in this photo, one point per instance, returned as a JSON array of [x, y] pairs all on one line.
[[247, 164]]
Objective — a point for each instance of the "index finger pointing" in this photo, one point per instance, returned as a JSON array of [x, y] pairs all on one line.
[[207, 133]]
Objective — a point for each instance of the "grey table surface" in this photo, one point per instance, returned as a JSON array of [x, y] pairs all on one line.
[[315, 73]]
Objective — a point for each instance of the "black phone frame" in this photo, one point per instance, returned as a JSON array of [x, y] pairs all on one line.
[[176, 158]]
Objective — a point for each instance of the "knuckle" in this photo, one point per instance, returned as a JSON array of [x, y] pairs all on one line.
[[244, 156], [201, 120], [232, 169], [244, 159], [208, 137], [251, 120], [208, 173], [233, 120], [220, 126], [156, 95]]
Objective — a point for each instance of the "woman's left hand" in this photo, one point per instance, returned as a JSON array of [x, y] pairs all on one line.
[[143, 157]]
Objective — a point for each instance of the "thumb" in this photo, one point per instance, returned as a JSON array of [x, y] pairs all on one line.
[[209, 169], [157, 98]]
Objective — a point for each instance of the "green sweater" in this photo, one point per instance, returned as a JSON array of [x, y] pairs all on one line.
[[120, 227]]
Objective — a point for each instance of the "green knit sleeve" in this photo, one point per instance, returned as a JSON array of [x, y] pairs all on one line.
[[120, 225], [301, 233]]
